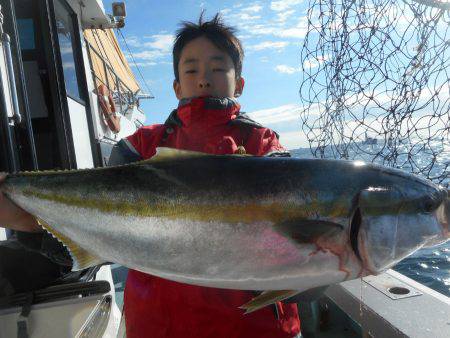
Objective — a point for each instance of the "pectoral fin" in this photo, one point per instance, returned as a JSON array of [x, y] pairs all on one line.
[[267, 298], [306, 231], [81, 258]]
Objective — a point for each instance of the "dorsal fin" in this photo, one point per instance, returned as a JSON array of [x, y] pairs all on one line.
[[164, 153]]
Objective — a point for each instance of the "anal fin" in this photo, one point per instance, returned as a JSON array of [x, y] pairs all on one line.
[[81, 258], [267, 298]]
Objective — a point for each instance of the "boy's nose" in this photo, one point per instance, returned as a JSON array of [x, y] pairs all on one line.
[[204, 83]]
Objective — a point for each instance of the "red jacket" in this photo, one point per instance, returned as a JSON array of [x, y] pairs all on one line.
[[155, 307]]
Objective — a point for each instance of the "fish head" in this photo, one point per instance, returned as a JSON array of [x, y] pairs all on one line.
[[389, 223]]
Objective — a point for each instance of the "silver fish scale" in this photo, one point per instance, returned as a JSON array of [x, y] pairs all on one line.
[[259, 250]]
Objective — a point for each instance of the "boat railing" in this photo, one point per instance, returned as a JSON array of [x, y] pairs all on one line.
[[123, 96]]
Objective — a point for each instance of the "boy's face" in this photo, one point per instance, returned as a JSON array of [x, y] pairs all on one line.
[[205, 70]]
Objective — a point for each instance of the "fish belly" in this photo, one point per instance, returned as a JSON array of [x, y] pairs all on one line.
[[243, 256]]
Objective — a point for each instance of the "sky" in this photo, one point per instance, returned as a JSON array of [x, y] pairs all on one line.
[[272, 33]]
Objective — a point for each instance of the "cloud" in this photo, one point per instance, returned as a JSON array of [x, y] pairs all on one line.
[[283, 16], [277, 29], [288, 112], [316, 61], [282, 5], [133, 41], [298, 31], [244, 36], [149, 54], [292, 33], [255, 8], [287, 69], [247, 17], [162, 42], [268, 45], [285, 24], [285, 120], [294, 139], [418, 126], [143, 64]]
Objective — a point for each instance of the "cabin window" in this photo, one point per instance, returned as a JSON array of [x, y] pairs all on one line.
[[65, 24], [26, 34]]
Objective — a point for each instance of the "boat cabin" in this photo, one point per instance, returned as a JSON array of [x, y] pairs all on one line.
[[58, 58]]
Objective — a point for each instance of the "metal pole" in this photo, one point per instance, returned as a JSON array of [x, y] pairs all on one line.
[[12, 78], [5, 122]]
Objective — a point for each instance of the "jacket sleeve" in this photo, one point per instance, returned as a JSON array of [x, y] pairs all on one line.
[[123, 152], [144, 141], [264, 142]]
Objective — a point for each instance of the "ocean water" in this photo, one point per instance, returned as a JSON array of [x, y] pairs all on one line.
[[429, 266]]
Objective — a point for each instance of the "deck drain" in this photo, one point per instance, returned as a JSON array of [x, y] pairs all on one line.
[[392, 287], [397, 290]]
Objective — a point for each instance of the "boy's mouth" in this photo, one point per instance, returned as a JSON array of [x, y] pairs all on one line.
[[204, 95]]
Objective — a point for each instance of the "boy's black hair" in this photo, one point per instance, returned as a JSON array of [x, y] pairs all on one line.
[[217, 32]]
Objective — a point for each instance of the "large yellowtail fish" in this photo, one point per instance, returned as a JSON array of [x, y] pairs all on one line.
[[238, 222]]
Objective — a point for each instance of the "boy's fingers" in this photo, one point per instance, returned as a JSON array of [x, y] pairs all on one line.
[[2, 177]]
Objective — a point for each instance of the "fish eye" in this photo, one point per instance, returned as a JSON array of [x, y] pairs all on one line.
[[430, 204]]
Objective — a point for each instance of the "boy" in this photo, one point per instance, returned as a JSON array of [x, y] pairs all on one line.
[[207, 60]]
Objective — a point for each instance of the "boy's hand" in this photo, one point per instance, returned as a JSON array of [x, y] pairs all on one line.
[[13, 217]]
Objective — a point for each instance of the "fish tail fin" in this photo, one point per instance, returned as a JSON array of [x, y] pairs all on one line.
[[81, 258], [267, 298]]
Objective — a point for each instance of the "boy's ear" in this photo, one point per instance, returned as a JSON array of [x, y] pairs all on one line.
[[177, 89], [239, 86]]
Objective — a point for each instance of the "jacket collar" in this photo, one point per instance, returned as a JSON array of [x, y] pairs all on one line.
[[241, 119], [204, 110]]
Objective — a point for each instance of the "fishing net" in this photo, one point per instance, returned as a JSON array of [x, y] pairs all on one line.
[[375, 83]]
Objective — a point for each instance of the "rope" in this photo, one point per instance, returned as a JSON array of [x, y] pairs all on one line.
[[134, 61]]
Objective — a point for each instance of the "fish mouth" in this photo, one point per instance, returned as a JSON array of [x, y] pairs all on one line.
[[444, 216]]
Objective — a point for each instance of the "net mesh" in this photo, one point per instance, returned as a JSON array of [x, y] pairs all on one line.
[[375, 83]]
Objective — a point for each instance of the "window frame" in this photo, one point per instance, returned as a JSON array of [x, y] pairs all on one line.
[[77, 54]]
